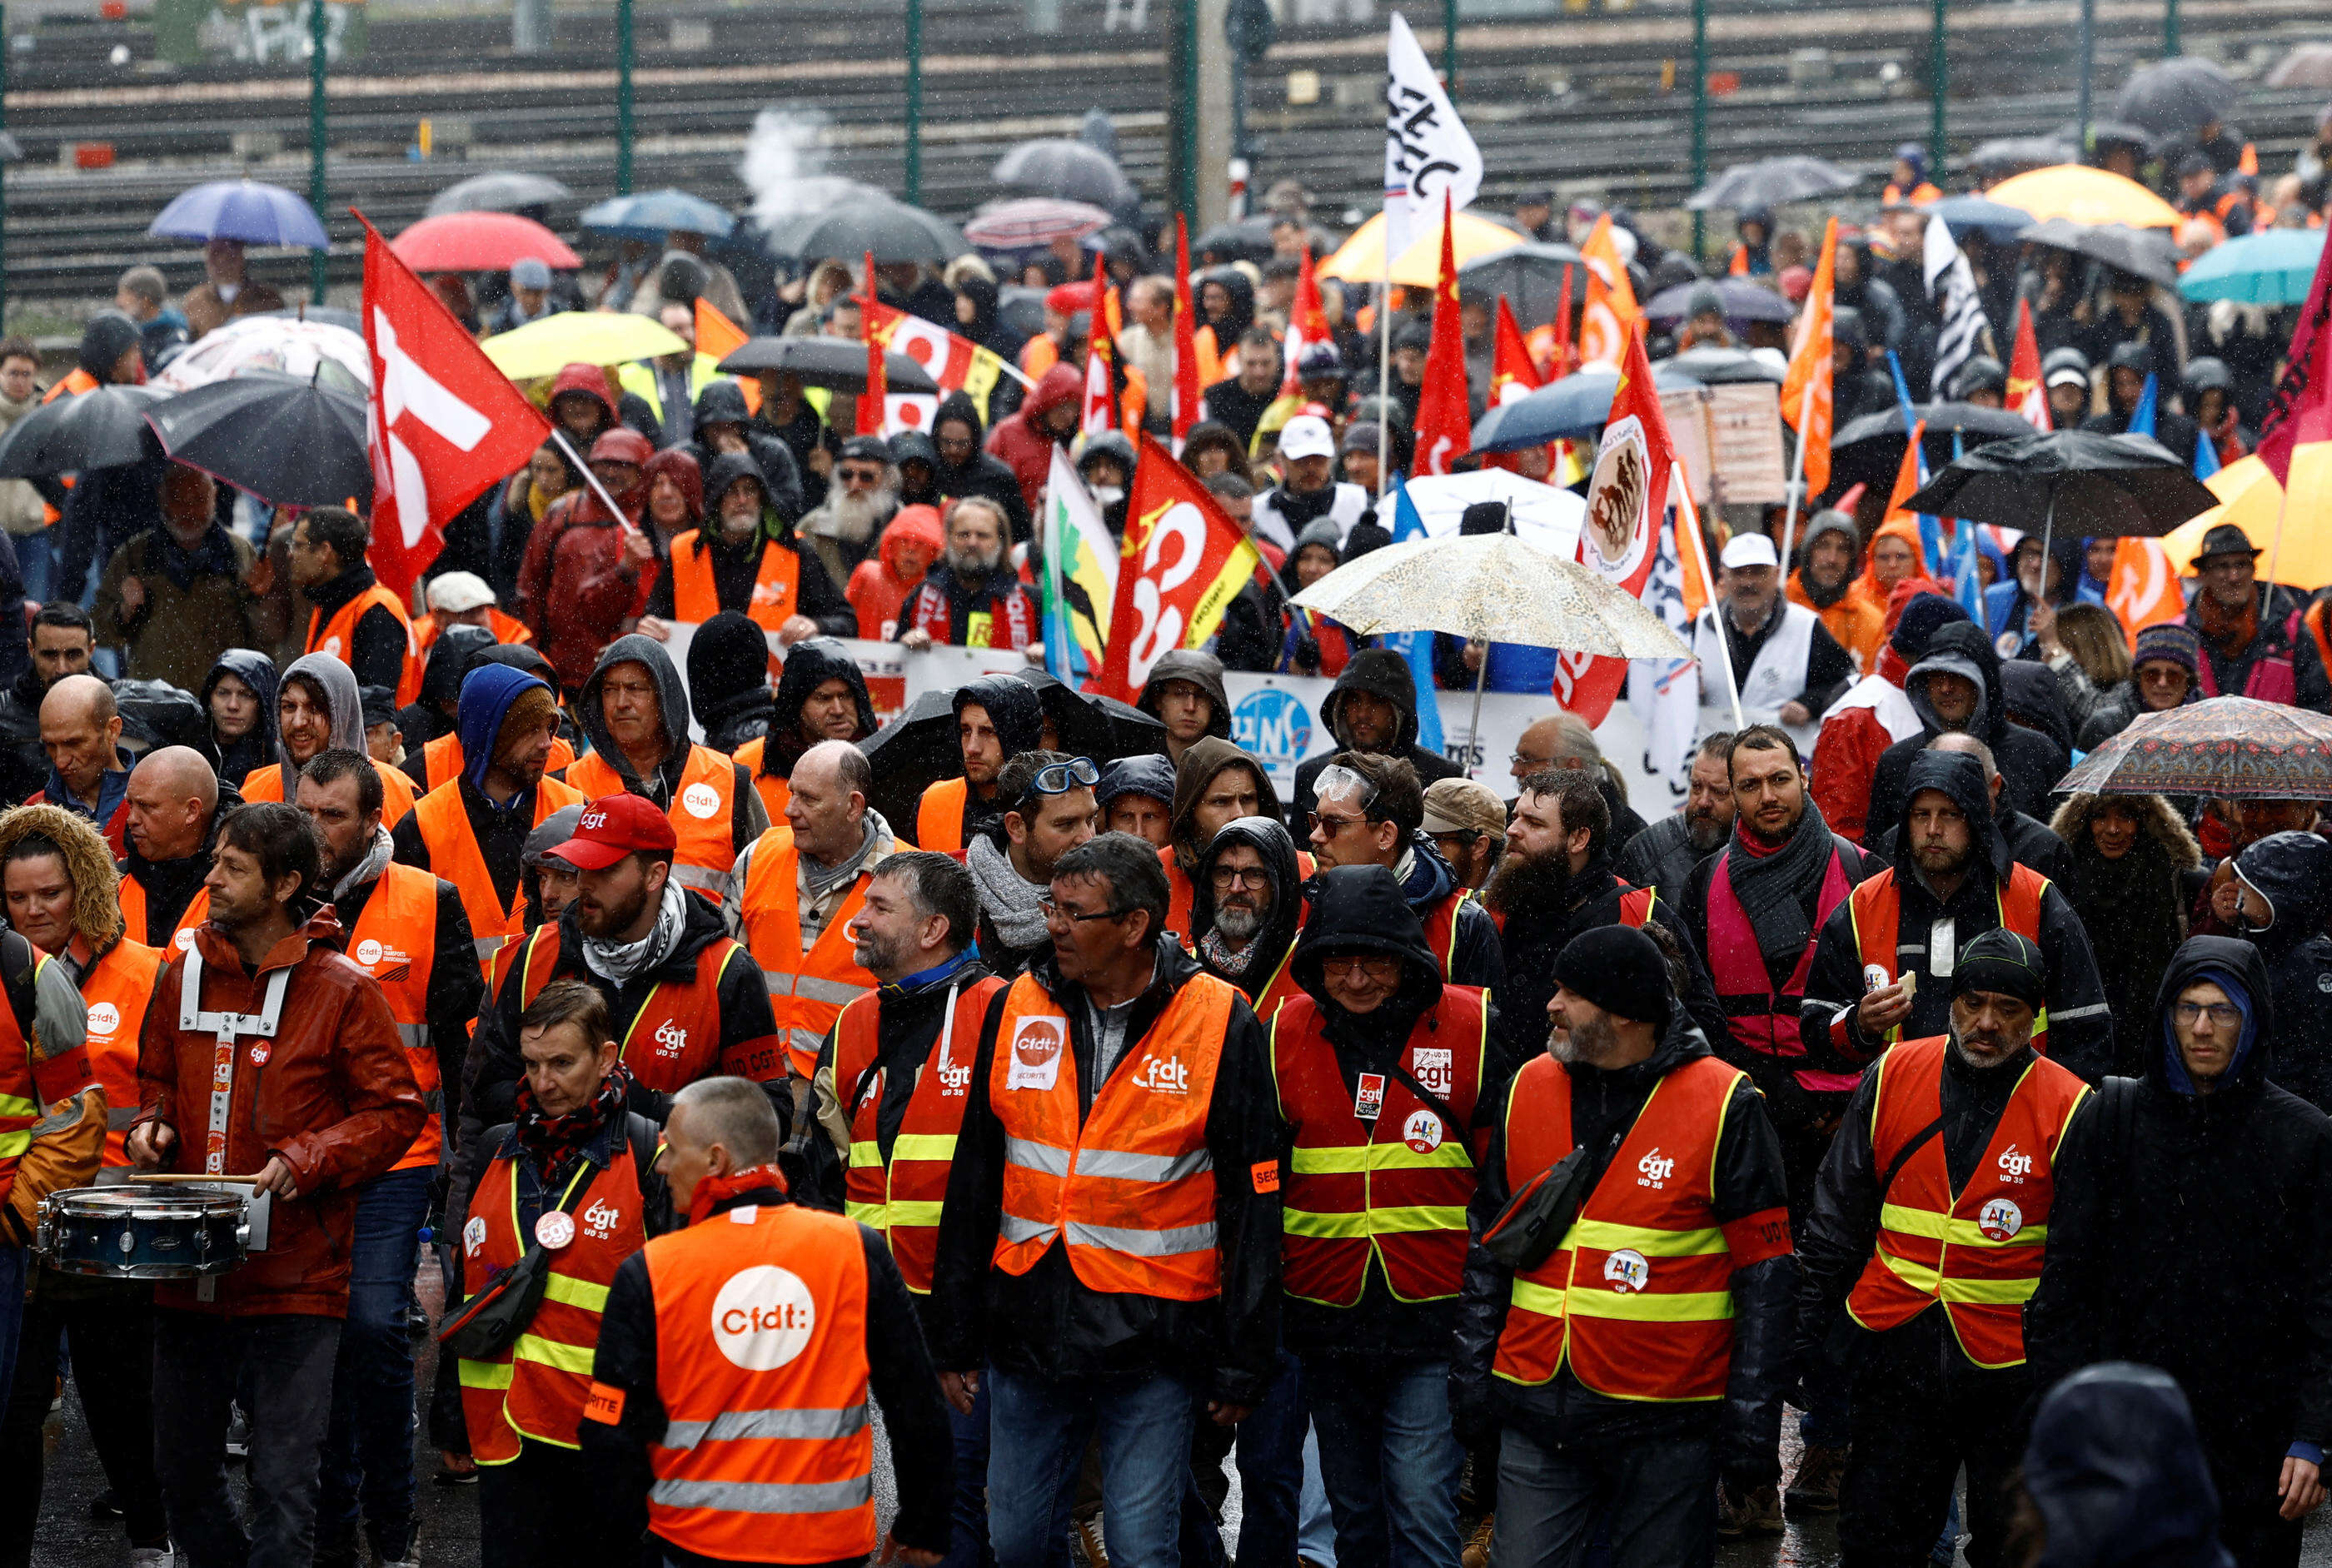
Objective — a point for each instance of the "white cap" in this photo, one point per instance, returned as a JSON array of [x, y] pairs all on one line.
[[458, 592], [2068, 375], [1306, 435], [1750, 549]]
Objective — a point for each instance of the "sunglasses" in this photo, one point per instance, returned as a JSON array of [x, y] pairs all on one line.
[[860, 475]]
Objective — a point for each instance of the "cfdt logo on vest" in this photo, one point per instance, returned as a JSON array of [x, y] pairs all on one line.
[[1275, 727], [763, 1317]]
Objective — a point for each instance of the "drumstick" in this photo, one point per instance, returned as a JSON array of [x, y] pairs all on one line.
[[159, 1176]]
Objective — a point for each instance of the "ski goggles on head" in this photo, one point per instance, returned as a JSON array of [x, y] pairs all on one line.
[[1060, 778], [1341, 782]]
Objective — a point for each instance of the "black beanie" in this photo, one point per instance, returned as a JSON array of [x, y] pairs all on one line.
[[2004, 963], [1619, 970]]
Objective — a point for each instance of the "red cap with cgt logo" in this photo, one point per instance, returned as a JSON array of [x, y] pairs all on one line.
[[613, 827]]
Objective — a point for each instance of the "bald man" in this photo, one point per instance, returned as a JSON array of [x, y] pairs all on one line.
[[171, 808], [1562, 742], [89, 773]]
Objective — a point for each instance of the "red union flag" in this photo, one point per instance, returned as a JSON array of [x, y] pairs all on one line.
[[958, 363], [1181, 561], [1626, 504], [443, 423]]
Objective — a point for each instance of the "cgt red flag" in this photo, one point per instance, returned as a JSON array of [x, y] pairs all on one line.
[[1627, 503], [2026, 394], [1445, 427], [1181, 561], [1184, 404], [443, 423], [878, 388]]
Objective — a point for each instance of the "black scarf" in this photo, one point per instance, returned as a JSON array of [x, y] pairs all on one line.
[[1773, 886], [212, 557], [556, 1143], [1298, 507], [1373, 1040]]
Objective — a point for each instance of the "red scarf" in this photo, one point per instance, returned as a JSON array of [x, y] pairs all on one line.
[[713, 1189], [933, 612]]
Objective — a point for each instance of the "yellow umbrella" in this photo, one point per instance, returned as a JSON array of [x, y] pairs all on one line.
[[545, 348], [2250, 498], [2084, 196], [1361, 258]]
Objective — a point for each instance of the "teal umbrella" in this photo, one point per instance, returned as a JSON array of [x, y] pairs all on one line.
[[2273, 267]]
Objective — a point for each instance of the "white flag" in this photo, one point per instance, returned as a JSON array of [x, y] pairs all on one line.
[[1428, 148]]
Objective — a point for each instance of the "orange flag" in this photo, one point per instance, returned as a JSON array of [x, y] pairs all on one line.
[[1906, 478], [2143, 588], [1611, 313], [1445, 425], [1806, 392], [720, 337], [1307, 324], [1513, 373], [1691, 548]]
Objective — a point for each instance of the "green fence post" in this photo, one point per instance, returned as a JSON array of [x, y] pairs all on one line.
[[320, 265], [3, 169], [1449, 47], [1182, 118], [1939, 87], [914, 173], [1699, 118], [2170, 29], [624, 97]]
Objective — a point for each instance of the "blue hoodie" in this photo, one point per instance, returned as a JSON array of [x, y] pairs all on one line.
[[487, 694]]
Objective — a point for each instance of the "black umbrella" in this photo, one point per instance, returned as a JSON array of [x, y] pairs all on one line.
[[837, 363], [1722, 366], [1742, 300], [1058, 166], [1240, 240], [2175, 96], [104, 427], [2142, 252], [1869, 450], [1771, 182], [2103, 486], [497, 191], [1529, 276], [2014, 154], [287, 441], [1101, 728], [894, 231], [914, 751], [2102, 131]]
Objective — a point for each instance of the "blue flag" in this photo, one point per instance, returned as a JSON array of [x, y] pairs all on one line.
[[1930, 533], [1417, 647], [2141, 419], [2206, 455], [1968, 588]]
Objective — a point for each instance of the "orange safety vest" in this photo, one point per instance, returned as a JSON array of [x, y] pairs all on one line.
[[1638, 1297], [1390, 1189], [396, 942], [902, 1197], [536, 1388], [1921, 194], [133, 912], [939, 819], [443, 821], [696, 598], [396, 792], [1978, 1250], [702, 813], [674, 1039], [442, 759], [339, 634], [1130, 1192], [760, 1334], [116, 988], [773, 791], [808, 990], [1875, 908]]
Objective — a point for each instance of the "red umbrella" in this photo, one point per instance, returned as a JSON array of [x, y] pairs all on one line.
[[479, 243]]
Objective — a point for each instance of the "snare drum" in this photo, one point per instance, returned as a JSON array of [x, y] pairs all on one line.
[[140, 1232]]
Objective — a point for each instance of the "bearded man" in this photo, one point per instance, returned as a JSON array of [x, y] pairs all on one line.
[[972, 597]]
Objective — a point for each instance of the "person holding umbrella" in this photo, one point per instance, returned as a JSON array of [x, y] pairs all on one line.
[[226, 290], [180, 596], [2245, 652]]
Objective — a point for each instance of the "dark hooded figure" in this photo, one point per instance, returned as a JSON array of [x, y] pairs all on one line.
[[917, 462], [2130, 856], [737, 561], [1372, 707], [2188, 1231], [2116, 1472], [106, 507], [432, 713], [959, 437], [748, 818], [250, 748], [964, 804], [2287, 895], [1189, 682], [2031, 763], [728, 680], [722, 421], [1951, 880], [809, 707], [1251, 950]]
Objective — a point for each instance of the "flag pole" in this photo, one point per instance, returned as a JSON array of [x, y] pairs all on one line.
[[2266, 588], [591, 478], [1797, 480], [1676, 476], [1384, 360], [2048, 533]]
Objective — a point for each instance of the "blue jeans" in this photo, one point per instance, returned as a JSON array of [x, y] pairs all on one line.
[[968, 1540], [284, 1365], [1038, 1428], [1315, 1524], [1389, 1459], [368, 1461], [36, 560], [1655, 1501]]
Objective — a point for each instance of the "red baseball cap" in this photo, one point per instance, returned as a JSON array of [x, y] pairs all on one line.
[[613, 827]]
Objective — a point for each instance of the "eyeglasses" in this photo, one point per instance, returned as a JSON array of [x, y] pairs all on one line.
[[1463, 838], [1372, 966], [1525, 760], [1078, 917], [2224, 1015], [1249, 876], [1060, 778]]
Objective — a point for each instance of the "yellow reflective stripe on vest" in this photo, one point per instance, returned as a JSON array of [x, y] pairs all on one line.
[[874, 1214], [16, 1105], [556, 1354], [932, 1146], [1605, 1236], [1965, 1292], [1355, 1159], [1404, 1221], [576, 1293], [1935, 1226], [1686, 1307], [866, 1156], [487, 1374]]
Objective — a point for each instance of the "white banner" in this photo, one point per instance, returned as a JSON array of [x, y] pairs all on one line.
[[1428, 148]]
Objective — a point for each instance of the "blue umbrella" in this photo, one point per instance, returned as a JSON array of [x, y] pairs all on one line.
[[1577, 407], [2271, 268], [241, 209], [1964, 215], [651, 214]]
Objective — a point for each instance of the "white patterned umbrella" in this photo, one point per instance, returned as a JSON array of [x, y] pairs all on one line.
[[1496, 587], [283, 344]]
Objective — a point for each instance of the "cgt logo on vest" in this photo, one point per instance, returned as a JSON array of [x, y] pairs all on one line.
[[599, 1221], [1163, 1075], [671, 1038], [2014, 1167], [1655, 1169], [763, 1317]]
